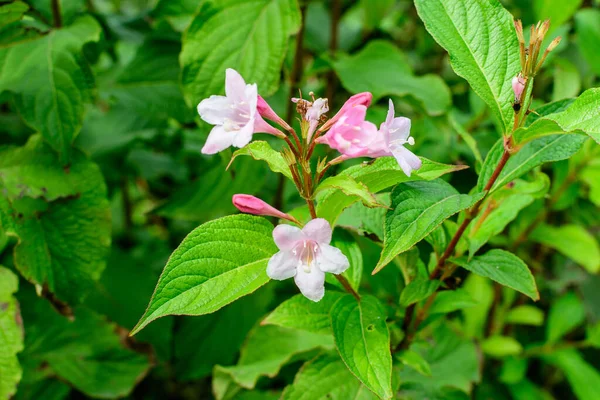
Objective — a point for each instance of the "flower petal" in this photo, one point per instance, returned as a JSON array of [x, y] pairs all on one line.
[[282, 266], [311, 284], [399, 129], [407, 160], [244, 135], [218, 140], [287, 236], [251, 94], [390, 115], [215, 109], [318, 230], [331, 259], [235, 86]]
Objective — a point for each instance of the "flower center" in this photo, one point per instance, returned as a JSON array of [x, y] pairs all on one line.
[[306, 252]]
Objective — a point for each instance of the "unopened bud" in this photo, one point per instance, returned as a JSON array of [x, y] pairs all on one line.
[[265, 110], [553, 44], [518, 84], [360, 99], [253, 205]]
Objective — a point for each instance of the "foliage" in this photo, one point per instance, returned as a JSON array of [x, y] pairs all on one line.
[[126, 270]]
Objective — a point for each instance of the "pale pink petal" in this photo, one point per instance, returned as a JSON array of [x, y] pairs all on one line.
[[218, 140], [390, 115], [287, 236], [235, 86], [282, 266], [311, 284], [251, 94], [244, 135], [331, 259], [399, 129], [215, 110], [318, 230], [406, 159]]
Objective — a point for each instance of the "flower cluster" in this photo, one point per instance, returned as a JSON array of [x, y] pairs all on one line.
[[305, 253]]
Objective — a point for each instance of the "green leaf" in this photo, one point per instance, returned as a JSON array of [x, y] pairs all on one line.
[[378, 175], [217, 263], [262, 151], [381, 68], [12, 12], [557, 11], [593, 335], [583, 377], [267, 349], [503, 267], [480, 289], [62, 244], [351, 188], [51, 81], [348, 245], [247, 35], [582, 116], [363, 341], [537, 152], [11, 332], [415, 361], [451, 300], [587, 26], [87, 352], [417, 209], [502, 207], [480, 38], [525, 315], [298, 312], [565, 315], [326, 378], [418, 289], [501, 346], [573, 241], [567, 81], [365, 219]]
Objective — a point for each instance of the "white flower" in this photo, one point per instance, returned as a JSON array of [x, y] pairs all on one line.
[[305, 255]]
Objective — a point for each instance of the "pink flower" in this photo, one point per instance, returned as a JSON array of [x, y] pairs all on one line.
[[518, 84], [306, 255], [234, 115], [354, 137], [253, 205], [265, 110], [360, 99]]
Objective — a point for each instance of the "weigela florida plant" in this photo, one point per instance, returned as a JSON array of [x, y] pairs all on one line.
[[228, 258], [305, 254]]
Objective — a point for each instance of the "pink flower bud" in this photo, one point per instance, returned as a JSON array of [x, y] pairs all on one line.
[[518, 84], [265, 110], [261, 126], [360, 99], [253, 205]]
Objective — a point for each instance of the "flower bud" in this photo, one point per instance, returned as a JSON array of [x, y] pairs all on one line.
[[265, 110], [360, 99], [253, 205], [518, 84]]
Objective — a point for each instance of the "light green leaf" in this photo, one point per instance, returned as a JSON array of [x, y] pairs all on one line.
[[417, 209], [565, 314], [51, 81], [11, 332], [267, 349], [247, 35], [503, 267], [582, 117], [418, 289], [380, 68], [87, 351], [260, 150], [502, 207], [62, 244], [217, 263], [567, 81], [593, 335], [557, 11], [363, 341], [378, 175], [573, 241], [587, 26], [326, 378], [480, 38], [351, 188], [12, 12], [537, 152], [451, 300], [480, 289], [364, 219], [525, 315], [299, 312], [583, 377], [501, 346], [415, 361]]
